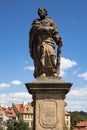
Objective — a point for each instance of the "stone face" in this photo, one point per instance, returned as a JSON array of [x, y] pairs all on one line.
[[48, 113], [49, 104]]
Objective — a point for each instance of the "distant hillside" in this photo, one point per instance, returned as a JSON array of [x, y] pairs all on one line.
[[76, 117]]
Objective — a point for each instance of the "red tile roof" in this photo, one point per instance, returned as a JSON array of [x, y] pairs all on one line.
[[67, 113], [83, 123], [9, 112], [81, 126], [24, 109], [1, 110]]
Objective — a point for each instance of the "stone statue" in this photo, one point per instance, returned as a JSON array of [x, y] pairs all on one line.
[[42, 36]]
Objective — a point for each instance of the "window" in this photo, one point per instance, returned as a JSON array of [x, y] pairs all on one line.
[[25, 116]]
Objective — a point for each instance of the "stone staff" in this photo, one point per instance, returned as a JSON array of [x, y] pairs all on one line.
[[59, 55]]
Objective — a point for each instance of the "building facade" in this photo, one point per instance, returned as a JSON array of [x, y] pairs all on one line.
[[24, 112], [67, 120], [81, 126]]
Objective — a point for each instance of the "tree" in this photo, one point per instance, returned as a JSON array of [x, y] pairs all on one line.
[[0, 120], [14, 125], [10, 125], [0, 123], [76, 117]]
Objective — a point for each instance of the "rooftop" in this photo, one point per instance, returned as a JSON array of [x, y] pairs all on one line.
[[24, 109]]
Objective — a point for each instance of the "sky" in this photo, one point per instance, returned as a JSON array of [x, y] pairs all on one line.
[[16, 65]]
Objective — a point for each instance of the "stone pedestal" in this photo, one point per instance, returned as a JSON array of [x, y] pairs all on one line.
[[48, 101]]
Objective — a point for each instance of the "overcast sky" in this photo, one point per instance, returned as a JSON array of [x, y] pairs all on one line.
[[16, 65]]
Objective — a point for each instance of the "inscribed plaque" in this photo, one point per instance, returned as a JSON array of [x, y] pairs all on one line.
[[48, 113]]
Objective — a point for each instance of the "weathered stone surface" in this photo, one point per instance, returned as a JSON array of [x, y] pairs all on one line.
[[48, 113], [48, 90], [49, 104], [42, 36]]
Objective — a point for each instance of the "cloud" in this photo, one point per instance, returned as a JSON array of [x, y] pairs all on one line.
[[83, 75], [4, 85], [67, 63], [63, 73], [20, 97], [78, 93], [16, 82], [7, 85], [29, 68], [77, 105], [77, 99], [73, 104]]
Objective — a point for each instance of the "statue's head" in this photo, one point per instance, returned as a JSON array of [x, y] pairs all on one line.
[[42, 12]]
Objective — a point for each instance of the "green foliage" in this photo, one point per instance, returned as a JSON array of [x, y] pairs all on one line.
[[14, 125], [0, 120], [76, 117], [0, 124], [10, 125]]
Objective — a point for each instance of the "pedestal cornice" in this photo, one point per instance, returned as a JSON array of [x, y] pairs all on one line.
[[51, 85]]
